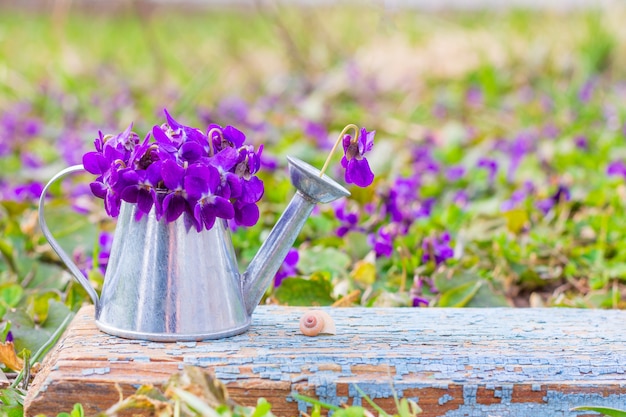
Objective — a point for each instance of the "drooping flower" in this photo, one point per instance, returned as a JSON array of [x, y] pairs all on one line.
[[358, 171]]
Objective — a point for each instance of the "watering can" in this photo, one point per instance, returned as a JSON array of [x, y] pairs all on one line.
[[166, 282]]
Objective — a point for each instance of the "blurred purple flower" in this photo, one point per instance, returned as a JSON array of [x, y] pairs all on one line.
[[30, 191], [288, 268], [318, 132], [423, 160], [474, 96], [518, 196], [437, 249], [616, 168], [381, 242], [420, 301], [551, 131], [417, 293], [461, 198], [490, 165], [30, 160], [585, 93], [581, 142], [562, 194], [9, 337], [348, 219], [455, 173]]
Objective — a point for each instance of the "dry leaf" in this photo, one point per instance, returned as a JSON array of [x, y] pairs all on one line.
[[9, 358]]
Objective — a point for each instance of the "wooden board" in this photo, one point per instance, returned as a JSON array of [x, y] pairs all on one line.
[[453, 362]]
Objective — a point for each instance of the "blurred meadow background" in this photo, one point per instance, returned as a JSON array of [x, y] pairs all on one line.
[[499, 153]]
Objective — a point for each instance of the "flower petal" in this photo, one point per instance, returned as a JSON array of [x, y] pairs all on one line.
[[359, 173], [173, 206], [246, 215], [172, 174]]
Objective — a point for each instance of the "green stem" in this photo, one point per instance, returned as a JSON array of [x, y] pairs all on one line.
[[44, 348], [339, 139]]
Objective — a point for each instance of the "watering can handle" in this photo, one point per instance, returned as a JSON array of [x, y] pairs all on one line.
[[67, 260]]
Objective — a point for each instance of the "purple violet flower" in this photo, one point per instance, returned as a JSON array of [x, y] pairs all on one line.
[[437, 249], [349, 219], [201, 183], [562, 194], [381, 242], [490, 165], [358, 171], [581, 142], [616, 168], [518, 196], [182, 172], [288, 268]]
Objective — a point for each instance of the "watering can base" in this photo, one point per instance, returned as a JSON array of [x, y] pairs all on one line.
[[171, 337]]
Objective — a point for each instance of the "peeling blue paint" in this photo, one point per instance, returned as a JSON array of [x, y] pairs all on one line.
[[444, 399], [408, 350]]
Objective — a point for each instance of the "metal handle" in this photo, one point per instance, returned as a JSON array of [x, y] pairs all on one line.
[[67, 260]]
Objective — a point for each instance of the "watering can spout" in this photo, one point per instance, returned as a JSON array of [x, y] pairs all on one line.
[[311, 189]]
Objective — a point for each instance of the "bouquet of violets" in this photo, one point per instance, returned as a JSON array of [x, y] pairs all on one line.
[[180, 170]]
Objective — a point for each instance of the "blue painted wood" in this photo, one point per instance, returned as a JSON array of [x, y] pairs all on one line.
[[453, 362]]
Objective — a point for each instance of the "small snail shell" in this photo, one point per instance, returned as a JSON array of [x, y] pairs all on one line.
[[316, 322]]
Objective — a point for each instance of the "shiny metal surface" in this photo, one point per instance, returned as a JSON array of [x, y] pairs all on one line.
[[167, 282], [312, 189]]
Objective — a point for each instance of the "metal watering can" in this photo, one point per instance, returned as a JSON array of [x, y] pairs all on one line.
[[166, 282]]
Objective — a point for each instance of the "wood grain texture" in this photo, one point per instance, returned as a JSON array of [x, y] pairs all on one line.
[[453, 362]]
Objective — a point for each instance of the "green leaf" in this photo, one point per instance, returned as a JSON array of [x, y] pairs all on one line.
[[6, 250], [12, 411], [305, 292], [30, 336], [352, 411], [78, 411], [611, 412], [318, 259], [460, 296], [11, 294], [516, 220], [262, 408]]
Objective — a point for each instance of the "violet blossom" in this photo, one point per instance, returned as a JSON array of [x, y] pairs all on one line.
[[288, 267], [437, 249], [183, 171], [358, 171], [381, 242]]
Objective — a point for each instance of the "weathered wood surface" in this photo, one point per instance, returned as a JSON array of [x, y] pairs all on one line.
[[453, 362]]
